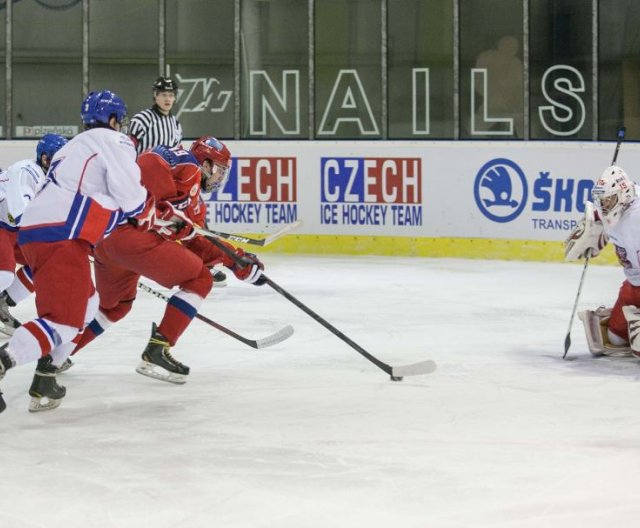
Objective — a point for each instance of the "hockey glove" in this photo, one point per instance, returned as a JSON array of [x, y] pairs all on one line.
[[589, 235], [172, 223], [250, 270]]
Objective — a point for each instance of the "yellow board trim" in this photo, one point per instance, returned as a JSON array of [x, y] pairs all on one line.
[[472, 248]]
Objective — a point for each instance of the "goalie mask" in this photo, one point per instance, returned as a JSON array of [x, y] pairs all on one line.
[[612, 194]]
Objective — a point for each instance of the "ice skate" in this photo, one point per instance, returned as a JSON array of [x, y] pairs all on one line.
[[65, 366], [157, 361], [45, 392], [5, 364], [8, 323]]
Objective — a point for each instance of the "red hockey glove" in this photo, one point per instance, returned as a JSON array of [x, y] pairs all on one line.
[[250, 270], [172, 224]]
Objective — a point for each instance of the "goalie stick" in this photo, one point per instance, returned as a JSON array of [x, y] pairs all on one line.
[[273, 339], [396, 373], [248, 240], [567, 339]]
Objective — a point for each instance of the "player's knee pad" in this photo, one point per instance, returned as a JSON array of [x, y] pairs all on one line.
[[200, 285], [115, 313]]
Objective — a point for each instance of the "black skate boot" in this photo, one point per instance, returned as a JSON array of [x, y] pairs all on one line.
[[45, 392], [157, 355], [5, 364], [8, 323]]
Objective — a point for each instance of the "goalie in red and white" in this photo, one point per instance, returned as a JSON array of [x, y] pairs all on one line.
[[614, 216]]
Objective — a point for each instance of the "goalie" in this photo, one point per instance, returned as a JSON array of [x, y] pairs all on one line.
[[613, 216]]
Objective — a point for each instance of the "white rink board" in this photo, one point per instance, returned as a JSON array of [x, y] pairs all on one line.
[[490, 190]]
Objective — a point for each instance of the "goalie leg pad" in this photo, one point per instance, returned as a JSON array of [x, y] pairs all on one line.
[[632, 315], [595, 326]]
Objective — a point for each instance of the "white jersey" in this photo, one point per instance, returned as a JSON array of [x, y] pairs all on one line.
[[93, 183], [625, 235], [18, 186]]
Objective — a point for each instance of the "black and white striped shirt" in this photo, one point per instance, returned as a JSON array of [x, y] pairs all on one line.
[[151, 128]]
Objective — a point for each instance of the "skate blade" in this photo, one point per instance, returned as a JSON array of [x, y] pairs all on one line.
[[64, 367], [43, 404], [149, 369]]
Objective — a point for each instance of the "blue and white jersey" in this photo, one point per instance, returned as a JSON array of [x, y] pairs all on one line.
[[18, 186], [92, 184]]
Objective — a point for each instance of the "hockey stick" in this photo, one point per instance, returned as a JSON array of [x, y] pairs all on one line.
[[248, 240], [567, 339], [396, 373], [273, 339]]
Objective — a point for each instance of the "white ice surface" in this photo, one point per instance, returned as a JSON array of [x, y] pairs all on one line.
[[309, 434]]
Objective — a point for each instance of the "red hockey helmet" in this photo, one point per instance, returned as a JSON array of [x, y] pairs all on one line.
[[208, 148]]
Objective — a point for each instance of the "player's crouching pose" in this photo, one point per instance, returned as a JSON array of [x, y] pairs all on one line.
[[93, 183], [18, 186], [614, 216], [175, 178]]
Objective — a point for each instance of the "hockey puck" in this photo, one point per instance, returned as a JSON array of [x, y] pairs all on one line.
[[396, 378]]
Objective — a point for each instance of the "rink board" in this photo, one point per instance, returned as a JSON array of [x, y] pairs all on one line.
[[506, 200]]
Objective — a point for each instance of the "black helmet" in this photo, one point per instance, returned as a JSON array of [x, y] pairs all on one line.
[[165, 84]]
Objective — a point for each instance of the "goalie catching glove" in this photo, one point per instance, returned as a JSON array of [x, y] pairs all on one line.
[[587, 238]]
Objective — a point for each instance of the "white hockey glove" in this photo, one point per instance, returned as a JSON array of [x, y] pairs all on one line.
[[588, 235]]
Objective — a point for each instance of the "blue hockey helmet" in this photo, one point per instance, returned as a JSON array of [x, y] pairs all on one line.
[[49, 145], [98, 107]]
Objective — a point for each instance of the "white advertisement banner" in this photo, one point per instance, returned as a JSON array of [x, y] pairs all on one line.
[[495, 190], [466, 189]]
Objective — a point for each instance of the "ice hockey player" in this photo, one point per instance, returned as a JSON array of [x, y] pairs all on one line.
[[93, 183], [175, 177], [158, 126], [18, 186], [613, 216]]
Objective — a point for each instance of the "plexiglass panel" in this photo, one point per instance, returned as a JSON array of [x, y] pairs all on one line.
[[47, 69], [123, 50], [348, 69], [200, 44], [561, 69], [274, 66], [491, 69], [420, 69], [619, 68]]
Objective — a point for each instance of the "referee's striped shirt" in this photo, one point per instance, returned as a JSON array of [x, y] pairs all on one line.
[[151, 128]]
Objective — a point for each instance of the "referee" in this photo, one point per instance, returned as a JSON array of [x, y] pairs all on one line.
[[157, 125]]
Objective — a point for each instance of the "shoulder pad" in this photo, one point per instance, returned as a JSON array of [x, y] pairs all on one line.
[[167, 154]]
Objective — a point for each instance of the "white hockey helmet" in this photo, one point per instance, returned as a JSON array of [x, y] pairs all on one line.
[[612, 194]]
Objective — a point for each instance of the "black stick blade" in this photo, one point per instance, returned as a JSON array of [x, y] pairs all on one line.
[[567, 344]]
